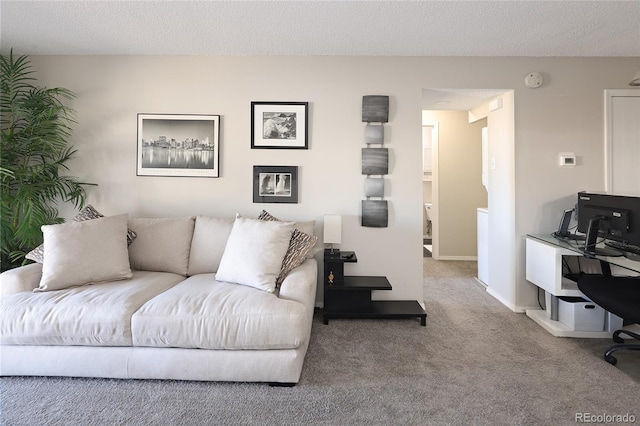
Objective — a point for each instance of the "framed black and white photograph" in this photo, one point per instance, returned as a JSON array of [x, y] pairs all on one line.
[[280, 125], [180, 145], [275, 184]]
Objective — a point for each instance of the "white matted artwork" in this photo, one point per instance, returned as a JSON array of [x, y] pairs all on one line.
[[279, 125], [181, 145]]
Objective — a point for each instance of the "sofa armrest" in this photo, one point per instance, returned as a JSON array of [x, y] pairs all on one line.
[[24, 278], [300, 284]]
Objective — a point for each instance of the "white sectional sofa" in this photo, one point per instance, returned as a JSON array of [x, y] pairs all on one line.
[[192, 298]]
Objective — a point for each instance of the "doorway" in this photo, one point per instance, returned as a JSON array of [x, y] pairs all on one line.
[[455, 237], [429, 140]]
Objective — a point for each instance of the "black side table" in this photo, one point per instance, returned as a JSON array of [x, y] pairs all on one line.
[[350, 296], [334, 261]]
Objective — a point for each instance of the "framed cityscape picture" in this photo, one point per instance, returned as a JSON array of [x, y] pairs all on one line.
[[280, 125], [181, 145], [275, 184]]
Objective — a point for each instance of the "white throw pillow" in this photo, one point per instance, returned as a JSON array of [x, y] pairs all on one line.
[[87, 213], [254, 253], [78, 253], [300, 246], [207, 246], [162, 244]]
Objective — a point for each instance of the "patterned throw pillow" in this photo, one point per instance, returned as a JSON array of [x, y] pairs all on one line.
[[88, 213], [300, 246]]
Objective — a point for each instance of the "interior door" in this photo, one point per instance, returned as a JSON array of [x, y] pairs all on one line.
[[622, 142]]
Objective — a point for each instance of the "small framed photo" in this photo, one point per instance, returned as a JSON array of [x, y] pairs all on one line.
[[280, 125], [178, 145], [275, 184]]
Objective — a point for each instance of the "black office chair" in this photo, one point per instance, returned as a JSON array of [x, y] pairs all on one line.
[[621, 297]]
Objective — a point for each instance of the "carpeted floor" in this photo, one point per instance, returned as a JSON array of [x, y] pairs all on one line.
[[475, 362]]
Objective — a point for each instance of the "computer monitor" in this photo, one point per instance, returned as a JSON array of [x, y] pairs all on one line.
[[613, 217]]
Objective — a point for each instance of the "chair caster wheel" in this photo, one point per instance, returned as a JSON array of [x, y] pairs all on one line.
[[611, 360]]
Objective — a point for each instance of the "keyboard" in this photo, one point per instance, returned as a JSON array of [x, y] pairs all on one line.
[[623, 247]]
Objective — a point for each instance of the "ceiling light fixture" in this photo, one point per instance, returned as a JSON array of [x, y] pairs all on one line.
[[635, 81]]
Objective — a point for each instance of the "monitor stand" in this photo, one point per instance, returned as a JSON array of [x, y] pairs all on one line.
[[569, 236], [602, 251], [590, 249]]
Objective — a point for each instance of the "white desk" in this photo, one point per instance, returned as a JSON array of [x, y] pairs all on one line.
[[545, 255]]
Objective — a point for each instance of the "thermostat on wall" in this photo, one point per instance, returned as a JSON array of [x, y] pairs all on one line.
[[567, 159]]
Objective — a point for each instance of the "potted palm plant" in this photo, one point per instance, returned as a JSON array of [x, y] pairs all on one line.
[[35, 126]]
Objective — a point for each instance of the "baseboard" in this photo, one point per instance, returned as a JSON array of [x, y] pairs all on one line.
[[514, 308], [466, 258], [479, 281]]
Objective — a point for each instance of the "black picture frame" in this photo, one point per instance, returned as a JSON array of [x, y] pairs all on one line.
[[178, 145], [279, 125], [275, 184]]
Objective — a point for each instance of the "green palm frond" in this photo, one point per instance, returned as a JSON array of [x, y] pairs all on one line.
[[35, 125]]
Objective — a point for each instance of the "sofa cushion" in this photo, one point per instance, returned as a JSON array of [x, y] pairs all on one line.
[[162, 244], [87, 213], [209, 240], [78, 253], [96, 315], [254, 253], [204, 313]]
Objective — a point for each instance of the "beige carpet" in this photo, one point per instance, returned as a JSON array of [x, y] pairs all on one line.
[[475, 362]]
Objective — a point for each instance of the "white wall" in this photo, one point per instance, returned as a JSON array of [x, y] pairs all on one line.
[[502, 200], [111, 91], [565, 114]]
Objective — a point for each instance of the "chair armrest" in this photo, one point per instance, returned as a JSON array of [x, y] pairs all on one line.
[[300, 284], [24, 278]]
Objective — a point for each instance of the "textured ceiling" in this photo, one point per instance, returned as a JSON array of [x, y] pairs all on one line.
[[389, 28]]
